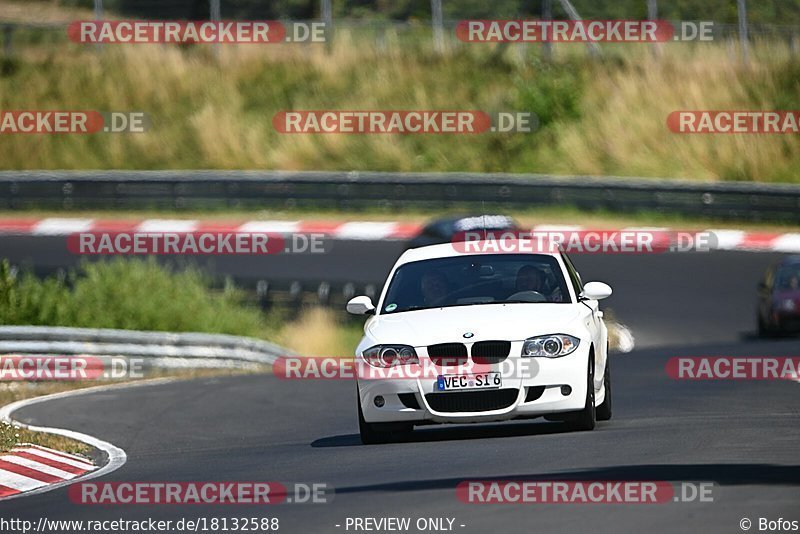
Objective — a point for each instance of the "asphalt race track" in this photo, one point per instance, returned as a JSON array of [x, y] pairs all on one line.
[[743, 436]]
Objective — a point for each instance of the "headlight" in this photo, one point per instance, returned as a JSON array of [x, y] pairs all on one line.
[[787, 305], [552, 346], [390, 355]]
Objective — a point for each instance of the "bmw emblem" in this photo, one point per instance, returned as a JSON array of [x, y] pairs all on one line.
[[468, 335]]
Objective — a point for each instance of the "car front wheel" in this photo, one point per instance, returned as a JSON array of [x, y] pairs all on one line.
[[586, 418], [764, 329], [376, 433], [603, 411]]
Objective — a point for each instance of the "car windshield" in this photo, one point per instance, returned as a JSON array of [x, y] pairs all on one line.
[[788, 278], [474, 280]]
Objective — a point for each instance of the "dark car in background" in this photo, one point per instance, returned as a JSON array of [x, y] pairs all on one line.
[[779, 298], [444, 230]]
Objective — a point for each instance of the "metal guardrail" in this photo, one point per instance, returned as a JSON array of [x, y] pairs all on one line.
[[132, 343], [132, 190]]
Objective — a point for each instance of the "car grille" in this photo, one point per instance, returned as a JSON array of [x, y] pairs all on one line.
[[448, 354], [472, 401], [534, 393], [489, 352], [409, 400]]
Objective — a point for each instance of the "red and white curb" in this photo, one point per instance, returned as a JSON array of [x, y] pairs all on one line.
[[356, 230], [30, 467], [755, 241]]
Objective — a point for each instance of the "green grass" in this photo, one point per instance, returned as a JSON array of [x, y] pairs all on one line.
[[12, 435], [129, 294]]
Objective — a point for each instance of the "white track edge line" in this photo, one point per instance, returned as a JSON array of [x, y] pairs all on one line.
[[116, 456]]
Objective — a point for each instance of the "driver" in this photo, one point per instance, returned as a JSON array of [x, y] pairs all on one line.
[[789, 282], [434, 287], [529, 278]]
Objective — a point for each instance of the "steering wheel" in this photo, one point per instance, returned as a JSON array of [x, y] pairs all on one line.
[[528, 296]]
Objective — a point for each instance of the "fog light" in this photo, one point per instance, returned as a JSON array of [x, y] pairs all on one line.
[[379, 401], [566, 390]]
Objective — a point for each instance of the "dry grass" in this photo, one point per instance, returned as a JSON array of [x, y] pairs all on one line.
[[606, 117], [51, 12], [321, 332], [623, 128]]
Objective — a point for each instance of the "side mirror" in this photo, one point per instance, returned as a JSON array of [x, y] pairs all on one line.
[[361, 305], [596, 291]]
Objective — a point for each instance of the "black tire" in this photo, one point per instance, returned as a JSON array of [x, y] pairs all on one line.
[[585, 419], [603, 412], [369, 436], [375, 434], [762, 328], [765, 330]]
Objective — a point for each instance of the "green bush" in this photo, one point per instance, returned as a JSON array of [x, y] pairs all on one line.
[[129, 294]]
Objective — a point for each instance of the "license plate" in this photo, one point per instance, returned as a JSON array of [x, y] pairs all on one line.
[[463, 382]]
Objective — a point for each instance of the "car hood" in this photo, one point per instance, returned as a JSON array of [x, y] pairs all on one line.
[[513, 322]]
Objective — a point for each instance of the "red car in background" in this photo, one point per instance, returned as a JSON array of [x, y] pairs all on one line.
[[779, 298]]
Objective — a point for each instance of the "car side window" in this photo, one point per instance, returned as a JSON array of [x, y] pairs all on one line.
[[574, 277]]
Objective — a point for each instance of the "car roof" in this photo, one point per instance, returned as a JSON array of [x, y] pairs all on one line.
[[486, 220], [448, 250]]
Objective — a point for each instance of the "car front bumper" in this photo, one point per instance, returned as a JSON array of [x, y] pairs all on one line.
[[530, 387]]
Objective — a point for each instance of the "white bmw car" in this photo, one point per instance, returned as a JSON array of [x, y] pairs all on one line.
[[462, 337]]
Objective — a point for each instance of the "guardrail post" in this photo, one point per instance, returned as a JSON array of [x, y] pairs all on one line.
[[215, 15], [652, 14], [324, 293], [326, 13], [594, 48], [349, 291], [743, 37], [547, 14], [262, 291], [296, 293], [371, 291], [438, 26], [8, 34], [98, 15]]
